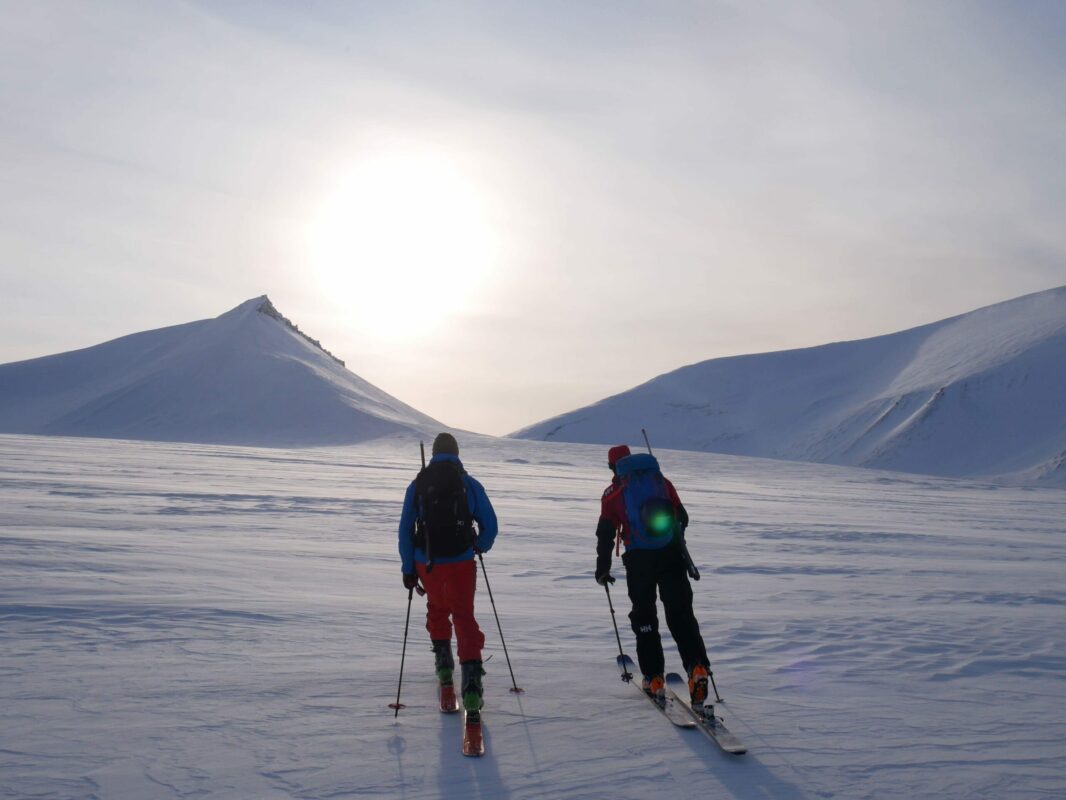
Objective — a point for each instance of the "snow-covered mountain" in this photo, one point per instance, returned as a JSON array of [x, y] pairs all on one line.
[[249, 376], [981, 394]]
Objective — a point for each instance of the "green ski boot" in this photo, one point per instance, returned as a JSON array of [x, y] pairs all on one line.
[[443, 662], [471, 685]]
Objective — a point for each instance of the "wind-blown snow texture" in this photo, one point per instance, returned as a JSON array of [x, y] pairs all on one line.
[[981, 394], [200, 621], [246, 377]]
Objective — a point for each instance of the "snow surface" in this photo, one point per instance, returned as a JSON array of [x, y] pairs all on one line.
[[186, 621], [979, 395], [248, 376]]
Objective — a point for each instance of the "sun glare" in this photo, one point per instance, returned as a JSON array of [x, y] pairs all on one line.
[[404, 241]]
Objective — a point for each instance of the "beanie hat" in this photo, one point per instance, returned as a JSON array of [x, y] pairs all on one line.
[[445, 443], [616, 454]]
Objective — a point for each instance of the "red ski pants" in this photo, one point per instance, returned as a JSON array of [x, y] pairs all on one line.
[[450, 600]]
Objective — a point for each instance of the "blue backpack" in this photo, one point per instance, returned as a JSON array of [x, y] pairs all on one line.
[[650, 513]]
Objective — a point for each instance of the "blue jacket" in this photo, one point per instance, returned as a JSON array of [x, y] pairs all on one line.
[[480, 509]]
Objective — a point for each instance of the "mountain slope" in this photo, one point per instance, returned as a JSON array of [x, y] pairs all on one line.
[[248, 376], [983, 393]]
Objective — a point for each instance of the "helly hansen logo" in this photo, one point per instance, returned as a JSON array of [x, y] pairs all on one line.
[[644, 629]]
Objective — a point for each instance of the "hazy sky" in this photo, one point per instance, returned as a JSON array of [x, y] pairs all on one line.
[[501, 211]]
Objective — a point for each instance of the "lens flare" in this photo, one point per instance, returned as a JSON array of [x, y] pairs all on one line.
[[660, 522]]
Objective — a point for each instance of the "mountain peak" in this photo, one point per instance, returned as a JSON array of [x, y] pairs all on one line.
[[263, 306], [249, 376]]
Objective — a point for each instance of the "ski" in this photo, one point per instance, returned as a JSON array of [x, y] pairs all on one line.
[[449, 703], [711, 725], [669, 709], [473, 742]]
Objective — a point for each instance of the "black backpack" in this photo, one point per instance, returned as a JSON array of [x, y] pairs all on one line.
[[444, 527]]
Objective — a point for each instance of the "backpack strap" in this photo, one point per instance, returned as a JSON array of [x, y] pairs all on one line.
[[619, 535]]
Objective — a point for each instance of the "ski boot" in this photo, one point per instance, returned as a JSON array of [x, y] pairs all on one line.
[[471, 685], [697, 689], [444, 664], [655, 687]]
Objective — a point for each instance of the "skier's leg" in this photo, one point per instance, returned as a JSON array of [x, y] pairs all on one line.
[[640, 581], [437, 605], [462, 582], [676, 593]]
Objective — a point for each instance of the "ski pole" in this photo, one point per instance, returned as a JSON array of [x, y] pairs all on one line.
[[514, 685], [689, 566], [646, 442], [429, 551], [627, 676], [398, 705]]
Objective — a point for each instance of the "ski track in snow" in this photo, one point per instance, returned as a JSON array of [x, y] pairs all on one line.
[[190, 621]]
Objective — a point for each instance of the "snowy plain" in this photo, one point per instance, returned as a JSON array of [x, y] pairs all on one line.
[[182, 620]]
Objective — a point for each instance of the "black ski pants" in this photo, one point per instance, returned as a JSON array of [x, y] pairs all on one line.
[[648, 571]]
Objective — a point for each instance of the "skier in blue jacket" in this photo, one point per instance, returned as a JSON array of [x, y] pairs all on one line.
[[437, 542]]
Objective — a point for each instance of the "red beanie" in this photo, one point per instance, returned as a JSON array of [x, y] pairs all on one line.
[[616, 454]]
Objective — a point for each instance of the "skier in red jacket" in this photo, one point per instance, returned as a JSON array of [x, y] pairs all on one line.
[[642, 510]]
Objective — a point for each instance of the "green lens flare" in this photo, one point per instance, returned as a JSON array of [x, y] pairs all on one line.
[[660, 522]]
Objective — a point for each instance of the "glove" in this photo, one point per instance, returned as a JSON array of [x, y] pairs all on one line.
[[410, 581], [604, 577]]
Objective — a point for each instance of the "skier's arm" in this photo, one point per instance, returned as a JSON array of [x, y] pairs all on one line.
[[611, 517], [484, 514], [407, 532], [682, 514], [605, 534]]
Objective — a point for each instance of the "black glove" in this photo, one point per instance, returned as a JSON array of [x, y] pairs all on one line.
[[410, 580], [604, 577]]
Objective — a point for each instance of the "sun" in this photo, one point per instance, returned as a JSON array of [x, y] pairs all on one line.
[[404, 240]]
